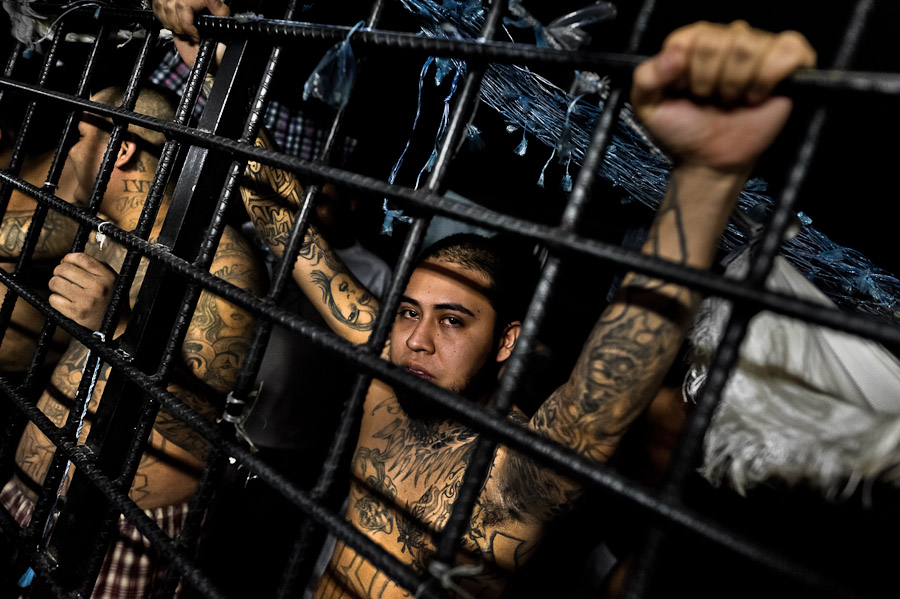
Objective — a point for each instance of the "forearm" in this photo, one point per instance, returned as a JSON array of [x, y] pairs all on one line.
[[54, 241], [638, 336], [272, 197]]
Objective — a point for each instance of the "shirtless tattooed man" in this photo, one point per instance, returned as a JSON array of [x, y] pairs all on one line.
[[214, 346], [706, 99]]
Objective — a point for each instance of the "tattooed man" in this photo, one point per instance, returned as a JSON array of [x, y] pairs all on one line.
[[20, 339], [706, 99], [214, 346]]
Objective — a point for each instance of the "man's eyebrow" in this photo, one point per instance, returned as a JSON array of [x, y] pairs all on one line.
[[446, 306], [455, 307]]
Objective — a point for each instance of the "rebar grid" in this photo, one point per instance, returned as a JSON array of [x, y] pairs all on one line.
[[561, 240]]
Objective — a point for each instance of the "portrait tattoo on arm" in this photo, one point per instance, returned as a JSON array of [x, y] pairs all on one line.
[[347, 300]]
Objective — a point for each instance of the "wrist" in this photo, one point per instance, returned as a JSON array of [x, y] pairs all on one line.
[[695, 211]]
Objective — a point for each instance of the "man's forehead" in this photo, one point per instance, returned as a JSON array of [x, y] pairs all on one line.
[[453, 276], [97, 121]]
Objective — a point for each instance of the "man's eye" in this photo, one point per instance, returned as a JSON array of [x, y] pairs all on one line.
[[452, 321], [407, 313]]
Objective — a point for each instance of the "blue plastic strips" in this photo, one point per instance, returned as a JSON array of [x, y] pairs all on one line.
[[332, 79], [564, 123]]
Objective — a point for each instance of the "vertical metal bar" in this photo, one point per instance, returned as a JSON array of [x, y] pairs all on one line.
[[190, 203], [727, 353], [483, 455], [352, 408], [42, 511]]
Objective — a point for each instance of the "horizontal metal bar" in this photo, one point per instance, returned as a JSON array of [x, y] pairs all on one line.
[[733, 290], [516, 437], [275, 31]]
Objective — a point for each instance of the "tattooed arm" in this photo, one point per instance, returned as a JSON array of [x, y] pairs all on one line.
[[215, 345], [54, 241], [272, 197], [714, 148]]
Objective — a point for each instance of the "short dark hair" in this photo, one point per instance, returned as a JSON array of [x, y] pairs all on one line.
[[151, 101], [507, 261]]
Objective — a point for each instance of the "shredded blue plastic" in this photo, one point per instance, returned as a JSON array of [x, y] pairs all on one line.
[[332, 79], [26, 579], [560, 121], [473, 135]]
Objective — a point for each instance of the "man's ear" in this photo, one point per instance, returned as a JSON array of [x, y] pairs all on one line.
[[508, 339], [127, 153]]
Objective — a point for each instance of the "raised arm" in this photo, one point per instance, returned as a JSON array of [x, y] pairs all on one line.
[[706, 100], [272, 198]]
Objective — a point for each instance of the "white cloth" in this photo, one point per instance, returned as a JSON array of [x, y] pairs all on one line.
[[804, 404]]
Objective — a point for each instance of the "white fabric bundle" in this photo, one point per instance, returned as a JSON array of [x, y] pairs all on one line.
[[804, 404]]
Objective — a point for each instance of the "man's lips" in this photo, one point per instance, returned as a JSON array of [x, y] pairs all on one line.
[[416, 370]]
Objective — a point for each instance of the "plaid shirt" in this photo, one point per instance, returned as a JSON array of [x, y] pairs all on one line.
[[294, 133], [131, 567]]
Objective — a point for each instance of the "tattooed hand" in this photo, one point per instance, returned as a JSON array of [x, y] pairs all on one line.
[[706, 97], [81, 289]]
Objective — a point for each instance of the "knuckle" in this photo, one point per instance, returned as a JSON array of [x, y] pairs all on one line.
[[743, 51], [792, 41]]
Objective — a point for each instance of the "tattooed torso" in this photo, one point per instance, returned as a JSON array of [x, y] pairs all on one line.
[[214, 347], [405, 478]]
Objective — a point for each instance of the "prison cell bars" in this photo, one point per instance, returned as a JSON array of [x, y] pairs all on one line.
[[727, 353], [399, 382]]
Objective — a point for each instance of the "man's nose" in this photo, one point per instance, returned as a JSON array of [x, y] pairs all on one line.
[[421, 338]]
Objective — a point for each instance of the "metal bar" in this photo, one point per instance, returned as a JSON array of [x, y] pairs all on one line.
[[282, 32], [79, 565], [735, 291], [727, 353], [342, 439], [569, 243], [514, 436]]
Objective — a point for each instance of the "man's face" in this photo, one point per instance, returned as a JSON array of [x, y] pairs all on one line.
[[84, 160], [444, 328]]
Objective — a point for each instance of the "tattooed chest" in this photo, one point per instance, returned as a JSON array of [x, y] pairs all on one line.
[[405, 480]]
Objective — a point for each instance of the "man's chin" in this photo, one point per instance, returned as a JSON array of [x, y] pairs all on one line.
[[415, 406]]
